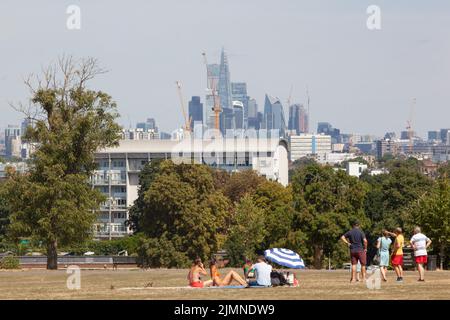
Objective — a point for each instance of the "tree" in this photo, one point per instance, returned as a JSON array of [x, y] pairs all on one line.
[[242, 183], [182, 207], [326, 201], [146, 177], [247, 232], [54, 202], [391, 195], [4, 212], [276, 202], [432, 213]]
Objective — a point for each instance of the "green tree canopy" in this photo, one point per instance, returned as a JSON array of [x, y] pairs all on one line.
[[432, 213], [327, 201], [54, 202], [184, 212]]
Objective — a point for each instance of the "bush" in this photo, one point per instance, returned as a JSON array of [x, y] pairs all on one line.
[[9, 262], [160, 253]]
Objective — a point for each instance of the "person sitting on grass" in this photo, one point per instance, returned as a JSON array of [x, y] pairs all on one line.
[[195, 272], [248, 271], [262, 271], [226, 281]]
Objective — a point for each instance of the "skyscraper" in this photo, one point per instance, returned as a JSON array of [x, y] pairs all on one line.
[[252, 120], [213, 71], [224, 82], [195, 111], [298, 119], [239, 93], [13, 141], [150, 124], [274, 115]]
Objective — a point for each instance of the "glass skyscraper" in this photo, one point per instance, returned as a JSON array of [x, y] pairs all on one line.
[[195, 111], [224, 82], [274, 115], [298, 119]]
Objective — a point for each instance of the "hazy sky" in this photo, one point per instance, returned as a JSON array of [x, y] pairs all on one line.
[[361, 81]]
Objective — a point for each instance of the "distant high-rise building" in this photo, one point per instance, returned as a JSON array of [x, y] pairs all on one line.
[[195, 111], [150, 124], [239, 93], [239, 115], [327, 129], [386, 146], [298, 119], [24, 125], [213, 71], [274, 115], [404, 135], [445, 136], [224, 82], [304, 145], [433, 136], [13, 141], [390, 136]]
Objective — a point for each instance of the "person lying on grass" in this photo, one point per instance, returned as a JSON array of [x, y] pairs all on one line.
[[195, 273], [228, 279]]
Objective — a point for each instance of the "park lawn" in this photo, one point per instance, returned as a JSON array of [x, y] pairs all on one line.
[[143, 284]]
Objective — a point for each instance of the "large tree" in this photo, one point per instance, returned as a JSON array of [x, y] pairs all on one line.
[[182, 211], [432, 213], [247, 233], [327, 201], [54, 202], [391, 195]]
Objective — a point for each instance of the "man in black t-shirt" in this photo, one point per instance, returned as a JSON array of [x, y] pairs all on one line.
[[357, 243]]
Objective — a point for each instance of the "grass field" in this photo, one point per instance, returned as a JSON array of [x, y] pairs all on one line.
[[131, 284]]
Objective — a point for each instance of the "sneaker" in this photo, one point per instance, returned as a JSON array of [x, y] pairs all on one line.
[[399, 279]]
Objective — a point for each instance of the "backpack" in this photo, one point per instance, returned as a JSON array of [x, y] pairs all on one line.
[[277, 279]]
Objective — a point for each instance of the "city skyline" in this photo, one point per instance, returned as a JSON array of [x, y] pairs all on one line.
[[360, 81]]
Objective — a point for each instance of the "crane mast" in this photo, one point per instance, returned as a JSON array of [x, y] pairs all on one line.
[[216, 100], [187, 121]]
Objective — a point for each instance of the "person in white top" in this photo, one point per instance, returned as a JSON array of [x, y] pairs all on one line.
[[263, 271], [420, 244]]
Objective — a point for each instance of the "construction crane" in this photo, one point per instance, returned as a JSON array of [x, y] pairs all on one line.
[[409, 127], [290, 96], [216, 100], [187, 121], [307, 106]]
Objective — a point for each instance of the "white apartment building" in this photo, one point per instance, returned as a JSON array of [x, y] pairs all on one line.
[[309, 145], [118, 169]]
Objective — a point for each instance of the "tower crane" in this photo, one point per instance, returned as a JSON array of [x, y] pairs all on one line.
[[187, 121], [212, 84], [409, 127]]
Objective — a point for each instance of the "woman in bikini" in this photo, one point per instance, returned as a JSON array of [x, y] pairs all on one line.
[[226, 281], [195, 273]]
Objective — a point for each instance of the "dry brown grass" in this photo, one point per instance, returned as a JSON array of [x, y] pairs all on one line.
[[108, 284]]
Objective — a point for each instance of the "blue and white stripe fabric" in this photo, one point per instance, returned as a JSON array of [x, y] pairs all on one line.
[[285, 258]]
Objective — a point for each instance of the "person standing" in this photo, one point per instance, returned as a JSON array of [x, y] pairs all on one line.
[[357, 243], [383, 245], [397, 253], [420, 244]]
